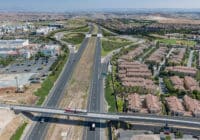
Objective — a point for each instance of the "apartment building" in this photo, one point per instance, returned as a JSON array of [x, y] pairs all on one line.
[[192, 105], [175, 106], [188, 71], [153, 104], [134, 102], [177, 82], [191, 84]]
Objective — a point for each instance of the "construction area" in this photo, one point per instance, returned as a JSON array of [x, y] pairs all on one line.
[[8, 119]]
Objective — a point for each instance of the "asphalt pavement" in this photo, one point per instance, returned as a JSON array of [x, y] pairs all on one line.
[[94, 97], [189, 64], [162, 86], [38, 130], [94, 100]]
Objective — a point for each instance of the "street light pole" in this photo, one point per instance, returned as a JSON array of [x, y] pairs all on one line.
[[17, 85]]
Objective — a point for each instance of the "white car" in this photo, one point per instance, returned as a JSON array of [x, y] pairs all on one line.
[[92, 127]]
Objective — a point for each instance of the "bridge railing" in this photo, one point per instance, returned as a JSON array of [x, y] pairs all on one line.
[[120, 114]]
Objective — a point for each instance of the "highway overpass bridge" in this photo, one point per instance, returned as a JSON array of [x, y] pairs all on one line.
[[185, 121]]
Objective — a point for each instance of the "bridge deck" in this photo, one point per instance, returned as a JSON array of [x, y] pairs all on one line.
[[106, 116]]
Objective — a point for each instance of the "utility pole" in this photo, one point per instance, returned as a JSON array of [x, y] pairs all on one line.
[[17, 84]]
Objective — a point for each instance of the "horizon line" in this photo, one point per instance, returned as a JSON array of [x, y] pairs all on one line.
[[100, 10]]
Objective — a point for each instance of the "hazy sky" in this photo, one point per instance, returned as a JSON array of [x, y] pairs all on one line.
[[65, 5]]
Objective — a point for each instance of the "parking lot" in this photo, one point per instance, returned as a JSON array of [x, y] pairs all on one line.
[[8, 80], [30, 71], [30, 66]]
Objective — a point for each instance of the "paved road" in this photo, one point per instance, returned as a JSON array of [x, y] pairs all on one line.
[[103, 103], [154, 127], [95, 93], [189, 64], [185, 121], [96, 101], [162, 86], [38, 130], [157, 72]]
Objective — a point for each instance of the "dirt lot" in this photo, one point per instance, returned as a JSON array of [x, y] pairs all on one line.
[[9, 122], [8, 95], [6, 116], [76, 95], [12, 123]]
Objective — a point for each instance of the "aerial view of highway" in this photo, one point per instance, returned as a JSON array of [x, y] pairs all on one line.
[[91, 70]]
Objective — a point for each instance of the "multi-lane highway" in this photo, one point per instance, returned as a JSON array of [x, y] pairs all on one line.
[[103, 103], [38, 130], [94, 96], [96, 99]]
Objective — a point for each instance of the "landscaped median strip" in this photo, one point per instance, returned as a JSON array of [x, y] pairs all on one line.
[[109, 94]]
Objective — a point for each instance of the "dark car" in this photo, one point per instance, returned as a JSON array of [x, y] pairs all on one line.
[[27, 70], [43, 119]]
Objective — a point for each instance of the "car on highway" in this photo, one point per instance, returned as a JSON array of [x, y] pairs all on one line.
[[43, 119], [27, 70], [166, 129], [92, 127]]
